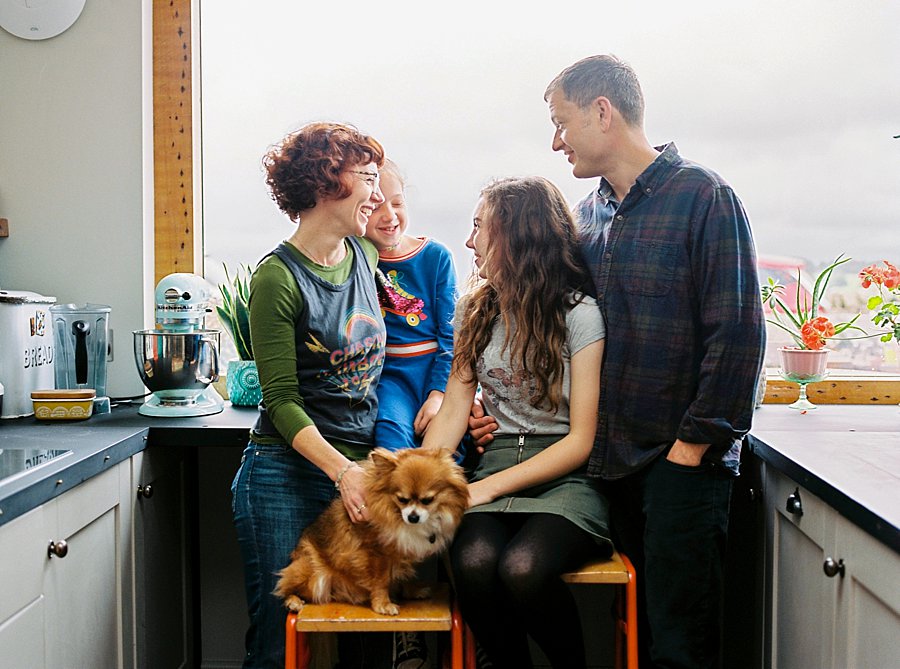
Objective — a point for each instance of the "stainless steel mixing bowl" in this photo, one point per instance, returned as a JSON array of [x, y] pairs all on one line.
[[177, 364]]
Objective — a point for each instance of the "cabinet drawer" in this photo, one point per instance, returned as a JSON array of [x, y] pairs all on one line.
[[798, 506], [23, 547], [78, 507]]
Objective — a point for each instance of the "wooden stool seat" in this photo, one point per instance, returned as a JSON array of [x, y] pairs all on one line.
[[613, 570], [438, 613], [618, 571]]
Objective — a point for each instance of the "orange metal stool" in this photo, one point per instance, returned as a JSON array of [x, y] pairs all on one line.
[[617, 571], [435, 614]]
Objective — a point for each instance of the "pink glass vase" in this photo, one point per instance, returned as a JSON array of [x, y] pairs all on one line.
[[803, 366]]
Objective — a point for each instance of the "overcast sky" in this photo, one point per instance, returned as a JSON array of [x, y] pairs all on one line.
[[794, 102]]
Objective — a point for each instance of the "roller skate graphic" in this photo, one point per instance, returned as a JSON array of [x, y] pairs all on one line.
[[395, 300]]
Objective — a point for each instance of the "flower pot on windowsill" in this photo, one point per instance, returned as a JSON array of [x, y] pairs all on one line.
[[803, 365], [243, 383]]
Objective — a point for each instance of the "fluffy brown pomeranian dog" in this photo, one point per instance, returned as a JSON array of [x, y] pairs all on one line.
[[415, 499]]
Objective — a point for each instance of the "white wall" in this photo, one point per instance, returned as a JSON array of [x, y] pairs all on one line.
[[71, 177]]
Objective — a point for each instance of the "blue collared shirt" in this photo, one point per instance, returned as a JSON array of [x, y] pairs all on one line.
[[674, 266]]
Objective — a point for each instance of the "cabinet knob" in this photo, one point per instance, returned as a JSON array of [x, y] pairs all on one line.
[[794, 506], [832, 568], [145, 491], [58, 548]]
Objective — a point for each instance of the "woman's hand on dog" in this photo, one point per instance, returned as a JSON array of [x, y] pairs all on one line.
[[353, 494]]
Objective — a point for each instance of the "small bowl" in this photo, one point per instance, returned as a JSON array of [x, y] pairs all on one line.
[[63, 404]]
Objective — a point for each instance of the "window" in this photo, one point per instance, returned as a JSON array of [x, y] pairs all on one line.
[[793, 103]]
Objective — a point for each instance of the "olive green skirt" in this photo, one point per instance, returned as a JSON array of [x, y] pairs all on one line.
[[573, 496]]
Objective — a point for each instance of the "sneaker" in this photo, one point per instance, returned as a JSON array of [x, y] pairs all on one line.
[[482, 661], [410, 651]]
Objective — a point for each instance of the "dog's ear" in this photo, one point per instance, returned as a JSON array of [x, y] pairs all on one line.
[[444, 454], [383, 459]]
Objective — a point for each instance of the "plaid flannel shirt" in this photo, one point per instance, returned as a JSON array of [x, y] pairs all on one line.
[[674, 268]]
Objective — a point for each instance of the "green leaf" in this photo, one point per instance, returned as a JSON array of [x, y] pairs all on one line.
[[874, 302], [235, 309], [822, 283], [801, 311], [790, 331], [848, 325], [787, 312]]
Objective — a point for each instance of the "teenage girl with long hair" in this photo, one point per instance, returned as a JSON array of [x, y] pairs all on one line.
[[529, 336]]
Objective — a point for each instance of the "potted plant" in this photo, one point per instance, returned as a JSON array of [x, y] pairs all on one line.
[[885, 306], [806, 362], [242, 381]]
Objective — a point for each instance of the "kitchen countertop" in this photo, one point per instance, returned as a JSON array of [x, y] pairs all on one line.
[[101, 442], [848, 455]]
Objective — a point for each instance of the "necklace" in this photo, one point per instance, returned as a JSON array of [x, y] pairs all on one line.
[[311, 255], [396, 250]]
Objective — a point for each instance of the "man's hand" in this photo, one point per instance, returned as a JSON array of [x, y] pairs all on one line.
[[481, 426], [683, 453]]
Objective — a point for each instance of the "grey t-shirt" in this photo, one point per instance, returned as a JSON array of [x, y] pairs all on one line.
[[507, 392]]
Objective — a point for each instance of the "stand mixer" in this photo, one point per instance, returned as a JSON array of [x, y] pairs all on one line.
[[179, 359]]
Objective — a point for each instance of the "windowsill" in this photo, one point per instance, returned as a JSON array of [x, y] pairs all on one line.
[[837, 390]]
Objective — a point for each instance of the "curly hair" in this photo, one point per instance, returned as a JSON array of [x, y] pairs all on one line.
[[535, 276], [306, 165]]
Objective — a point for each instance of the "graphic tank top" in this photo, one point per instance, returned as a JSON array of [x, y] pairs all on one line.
[[339, 339]]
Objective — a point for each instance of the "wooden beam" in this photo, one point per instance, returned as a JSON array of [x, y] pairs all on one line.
[[862, 390], [172, 138]]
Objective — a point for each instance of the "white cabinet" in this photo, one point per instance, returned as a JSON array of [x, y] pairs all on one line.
[[23, 547], [65, 567], [832, 599], [163, 613], [868, 612]]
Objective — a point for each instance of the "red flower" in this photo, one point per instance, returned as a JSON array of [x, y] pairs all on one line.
[[815, 332], [891, 276], [871, 274], [888, 276]]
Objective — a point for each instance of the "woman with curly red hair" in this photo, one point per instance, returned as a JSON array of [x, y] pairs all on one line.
[[318, 341]]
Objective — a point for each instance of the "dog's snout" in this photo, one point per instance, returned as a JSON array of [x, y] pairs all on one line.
[[413, 517]]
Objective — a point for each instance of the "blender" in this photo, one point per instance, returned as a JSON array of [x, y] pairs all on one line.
[[179, 359], [81, 336]]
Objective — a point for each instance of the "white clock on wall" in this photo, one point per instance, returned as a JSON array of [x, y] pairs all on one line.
[[39, 19]]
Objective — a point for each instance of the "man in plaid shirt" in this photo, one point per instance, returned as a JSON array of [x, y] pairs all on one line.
[[674, 266]]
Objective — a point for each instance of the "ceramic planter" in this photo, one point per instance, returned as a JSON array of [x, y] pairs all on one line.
[[803, 365], [243, 383]]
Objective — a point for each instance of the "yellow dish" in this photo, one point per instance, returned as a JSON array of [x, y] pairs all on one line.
[[63, 404]]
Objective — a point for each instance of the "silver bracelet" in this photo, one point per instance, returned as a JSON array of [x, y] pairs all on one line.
[[340, 476]]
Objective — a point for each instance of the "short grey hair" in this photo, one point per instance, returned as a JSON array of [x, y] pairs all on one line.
[[602, 76]]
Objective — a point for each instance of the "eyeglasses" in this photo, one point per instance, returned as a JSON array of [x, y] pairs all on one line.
[[371, 178]]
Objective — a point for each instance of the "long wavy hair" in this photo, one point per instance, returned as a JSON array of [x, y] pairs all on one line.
[[535, 275]]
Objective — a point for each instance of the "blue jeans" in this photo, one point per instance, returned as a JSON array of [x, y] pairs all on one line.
[[276, 494], [672, 521]]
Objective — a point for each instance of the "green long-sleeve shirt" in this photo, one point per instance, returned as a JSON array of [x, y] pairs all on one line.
[[275, 306]]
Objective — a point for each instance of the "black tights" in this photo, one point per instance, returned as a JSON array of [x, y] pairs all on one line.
[[506, 572]]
